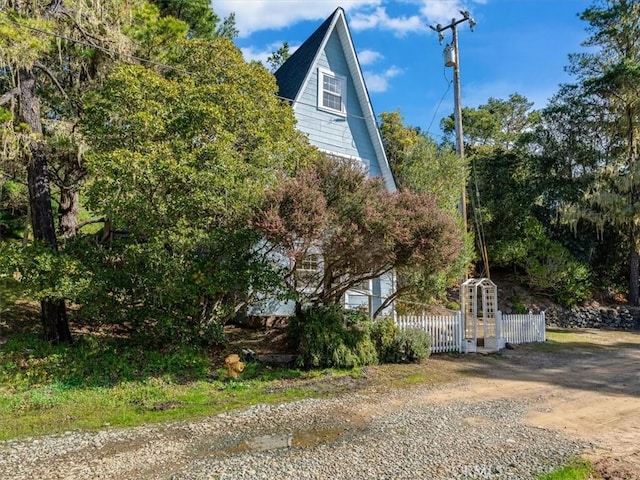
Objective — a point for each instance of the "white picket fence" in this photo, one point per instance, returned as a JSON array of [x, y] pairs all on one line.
[[446, 331], [522, 328]]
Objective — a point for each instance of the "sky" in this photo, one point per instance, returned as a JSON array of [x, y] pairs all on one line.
[[517, 46]]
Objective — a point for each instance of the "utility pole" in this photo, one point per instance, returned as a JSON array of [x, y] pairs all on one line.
[[452, 59]]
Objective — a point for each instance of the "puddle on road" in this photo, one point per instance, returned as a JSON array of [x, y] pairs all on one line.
[[312, 438], [305, 439]]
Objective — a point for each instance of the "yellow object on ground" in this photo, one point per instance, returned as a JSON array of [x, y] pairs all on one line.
[[233, 365]]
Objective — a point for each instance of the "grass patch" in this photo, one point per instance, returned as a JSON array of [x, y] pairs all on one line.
[[587, 341], [577, 470], [411, 375], [108, 379], [26, 362], [55, 408], [104, 381]]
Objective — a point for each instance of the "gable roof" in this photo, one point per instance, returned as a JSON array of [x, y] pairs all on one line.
[[294, 74]]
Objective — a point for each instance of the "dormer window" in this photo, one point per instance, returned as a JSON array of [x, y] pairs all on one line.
[[332, 92]]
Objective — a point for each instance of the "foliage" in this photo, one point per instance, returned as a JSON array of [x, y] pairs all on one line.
[[576, 470], [40, 273], [498, 123], [329, 336], [51, 54], [510, 195], [180, 163], [410, 345], [416, 161], [549, 267], [94, 362], [202, 20], [13, 208], [362, 230], [383, 334], [608, 75], [278, 57], [399, 141]]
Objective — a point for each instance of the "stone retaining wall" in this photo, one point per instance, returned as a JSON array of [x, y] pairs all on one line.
[[618, 317]]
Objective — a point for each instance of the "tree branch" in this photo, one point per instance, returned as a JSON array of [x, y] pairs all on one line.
[[389, 300], [10, 95], [84, 33], [55, 81], [90, 222]]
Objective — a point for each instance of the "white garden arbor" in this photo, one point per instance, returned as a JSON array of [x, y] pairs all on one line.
[[479, 305]]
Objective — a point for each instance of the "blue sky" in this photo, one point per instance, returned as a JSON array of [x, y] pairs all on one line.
[[518, 46]]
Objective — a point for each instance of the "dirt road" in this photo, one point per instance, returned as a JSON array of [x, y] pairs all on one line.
[[590, 392]]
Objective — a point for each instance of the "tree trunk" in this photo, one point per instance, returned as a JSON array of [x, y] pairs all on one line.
[[68, 212], [633, 198], [633, 269], [53, 312]]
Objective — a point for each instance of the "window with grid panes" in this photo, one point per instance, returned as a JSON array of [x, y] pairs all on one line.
[[308, 271], [331, 91]]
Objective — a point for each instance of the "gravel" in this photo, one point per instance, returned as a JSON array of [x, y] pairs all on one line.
[[398, 435]]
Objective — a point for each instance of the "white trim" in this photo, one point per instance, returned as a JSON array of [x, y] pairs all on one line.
[[322, 72], [350, 158]]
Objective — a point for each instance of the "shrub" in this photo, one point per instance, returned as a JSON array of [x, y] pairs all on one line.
[[551, 267], [411, 345], [383, 335], [330, 336]]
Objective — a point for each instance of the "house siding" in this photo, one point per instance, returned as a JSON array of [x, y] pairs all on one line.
[[332, 132]]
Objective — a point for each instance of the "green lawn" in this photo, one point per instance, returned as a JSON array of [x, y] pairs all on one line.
[[102, 381]]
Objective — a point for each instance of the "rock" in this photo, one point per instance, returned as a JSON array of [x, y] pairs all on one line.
[[248, 355]]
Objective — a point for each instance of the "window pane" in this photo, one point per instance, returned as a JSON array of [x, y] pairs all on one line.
[[332, 84], [332, 101]]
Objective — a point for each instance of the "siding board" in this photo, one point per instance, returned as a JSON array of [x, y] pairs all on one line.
[[331, 132]]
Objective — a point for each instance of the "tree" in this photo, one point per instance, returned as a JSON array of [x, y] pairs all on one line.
[[611, 74], [566, 151], [398, 141], [182, 158], [202, 20], [512, 193], [421, 166], [278, 57], [356, 229], [22, 50], [52, 52], [498, 123]]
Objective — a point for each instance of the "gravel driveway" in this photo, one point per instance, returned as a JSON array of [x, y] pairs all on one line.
[[507, 419]]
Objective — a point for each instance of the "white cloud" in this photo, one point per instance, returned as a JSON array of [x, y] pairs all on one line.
[[379, 82], [379, 18], [444, 11], [255, 15], [367, 57]]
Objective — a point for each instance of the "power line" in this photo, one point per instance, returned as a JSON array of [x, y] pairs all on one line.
[[439, 104]]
